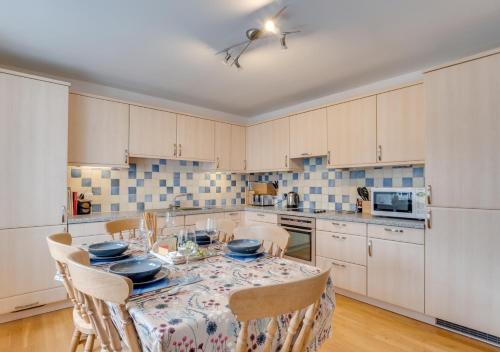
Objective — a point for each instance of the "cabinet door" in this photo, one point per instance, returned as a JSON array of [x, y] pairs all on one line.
[[308, 134], [25, 262], [238, 148], [254, 146], [33, 151], [195, 138], [463, 132], [280, 143], [352, 132], [396, 273], [463, 268], [401, 125], [153, 133], [98, 131], [222, 146]]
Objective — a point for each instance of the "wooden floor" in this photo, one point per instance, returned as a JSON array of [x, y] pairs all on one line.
[[358, 327]]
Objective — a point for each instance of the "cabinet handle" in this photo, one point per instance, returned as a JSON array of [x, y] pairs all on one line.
[[339, 237], [286, 160], [175, 149], [304, 154], [126, 156], [429, 194], [233, 213], [429, 219], [370, 248], [26, 306], [379, 152], [245, 164], [180, 149], [63, 215], [329, 158], [337, 224], [339, 265], [218, 162], [261, 215], [393, 230]]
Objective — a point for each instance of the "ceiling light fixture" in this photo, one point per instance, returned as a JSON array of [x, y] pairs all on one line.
[[253, 34]]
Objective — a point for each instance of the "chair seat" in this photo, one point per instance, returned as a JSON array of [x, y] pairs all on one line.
[[83, 326]]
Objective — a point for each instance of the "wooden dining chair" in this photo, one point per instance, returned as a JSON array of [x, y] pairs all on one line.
[[226, 229], [123, 226], [60, 248], [275, 239], [97, 289], [151, 223], [268, 302]]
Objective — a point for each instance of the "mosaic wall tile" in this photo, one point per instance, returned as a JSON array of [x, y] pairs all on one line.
[[336, 189], [153, 183]]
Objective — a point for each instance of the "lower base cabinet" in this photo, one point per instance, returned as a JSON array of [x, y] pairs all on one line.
[[27, 270], [463, 268], [347, 276], [396, 273]]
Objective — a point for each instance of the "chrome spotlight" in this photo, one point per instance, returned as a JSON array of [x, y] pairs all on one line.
[[227, 58], [237, 63], [283, 41]]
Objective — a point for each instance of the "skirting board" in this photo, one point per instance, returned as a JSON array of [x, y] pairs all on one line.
[[387, 306], [35, 311]]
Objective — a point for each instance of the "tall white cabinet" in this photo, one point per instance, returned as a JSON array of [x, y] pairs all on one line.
[[33, 150], [462, 171]]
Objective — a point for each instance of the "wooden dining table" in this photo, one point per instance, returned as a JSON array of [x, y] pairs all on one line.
[[196, 317]]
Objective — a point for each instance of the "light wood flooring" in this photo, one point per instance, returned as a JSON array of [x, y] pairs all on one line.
[[358, 327]]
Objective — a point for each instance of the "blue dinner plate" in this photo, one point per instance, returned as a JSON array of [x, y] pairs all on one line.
[[137, 269], [108, 249], [245, 246], [259, 252]]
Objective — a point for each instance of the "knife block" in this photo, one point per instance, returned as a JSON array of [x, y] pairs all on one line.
[[366, 207]]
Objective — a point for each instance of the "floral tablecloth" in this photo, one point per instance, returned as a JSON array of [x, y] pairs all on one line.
[[198, 318]]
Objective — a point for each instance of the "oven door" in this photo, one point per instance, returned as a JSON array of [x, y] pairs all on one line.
[[301, 245], [393, 203]]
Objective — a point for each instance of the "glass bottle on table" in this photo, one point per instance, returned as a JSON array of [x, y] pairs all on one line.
[[144, 235]]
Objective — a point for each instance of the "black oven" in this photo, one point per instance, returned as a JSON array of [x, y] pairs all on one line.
[[302, 242]]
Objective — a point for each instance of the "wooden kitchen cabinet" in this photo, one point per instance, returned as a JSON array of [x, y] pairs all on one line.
[[33, 150], [98, 131], [396, 273], [238, 149], [352, 133], [308, 134], [347, 276], [463, 132], [27, 270], [280, 144], [223, 146], [401, 125], [255, 147], [153, 133], [195, 138], [463, 268]]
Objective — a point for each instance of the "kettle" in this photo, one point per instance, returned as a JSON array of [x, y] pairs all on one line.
[[292, 200]]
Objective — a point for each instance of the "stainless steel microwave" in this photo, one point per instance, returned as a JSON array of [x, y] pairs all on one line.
[[398, 202]]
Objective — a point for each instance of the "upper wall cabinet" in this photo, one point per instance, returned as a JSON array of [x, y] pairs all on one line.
[[153, 133], [308, 136], [352, 137], [238, 148], [33, 151], [195, 138], [98, 131], [222, 146], [401, 125], [463, 134]]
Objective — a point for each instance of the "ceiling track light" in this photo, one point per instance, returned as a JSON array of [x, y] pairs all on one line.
[[253, 34]]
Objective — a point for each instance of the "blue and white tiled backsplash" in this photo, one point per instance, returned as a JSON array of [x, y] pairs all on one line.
[[153, 183], [336, 189]]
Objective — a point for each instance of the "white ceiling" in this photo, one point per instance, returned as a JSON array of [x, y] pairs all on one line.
[[166, 48]]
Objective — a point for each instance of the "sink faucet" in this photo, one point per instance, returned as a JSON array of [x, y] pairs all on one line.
[[172, 203]]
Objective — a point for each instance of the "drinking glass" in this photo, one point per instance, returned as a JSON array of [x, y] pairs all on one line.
[[211, 228], [144, 235], [183, 245]]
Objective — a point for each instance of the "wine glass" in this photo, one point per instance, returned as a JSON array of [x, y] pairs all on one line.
[[184, 245], [144, 235], [211, 228]]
